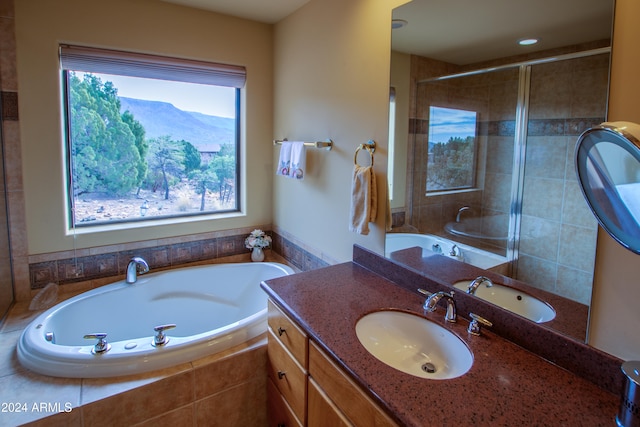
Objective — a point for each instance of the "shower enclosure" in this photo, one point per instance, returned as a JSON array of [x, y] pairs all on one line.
[[6, 275], [493, 165]]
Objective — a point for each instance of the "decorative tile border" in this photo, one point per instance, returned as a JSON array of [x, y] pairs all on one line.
[[536, 127], [84, 268]]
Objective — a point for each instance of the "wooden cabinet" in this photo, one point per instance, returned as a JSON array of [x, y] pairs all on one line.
[[306, 388], [347, 398], [322, 411], [287, 369]]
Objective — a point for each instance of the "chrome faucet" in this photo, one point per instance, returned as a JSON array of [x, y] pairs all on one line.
[[433, 299], [462, 209], [136, 266], [475, 283], [455, 251]]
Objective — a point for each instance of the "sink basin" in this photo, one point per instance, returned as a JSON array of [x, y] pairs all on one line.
[[414, 345], [513, 300]]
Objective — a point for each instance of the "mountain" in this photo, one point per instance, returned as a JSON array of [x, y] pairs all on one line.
[[163, 118]]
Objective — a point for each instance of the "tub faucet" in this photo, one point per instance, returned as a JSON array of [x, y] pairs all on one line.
[[462, 209], [475, 283], [433, 299], [136, 266], [456, 252]]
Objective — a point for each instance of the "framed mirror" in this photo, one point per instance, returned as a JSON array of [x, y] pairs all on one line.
[[483, 133], [608, 168]]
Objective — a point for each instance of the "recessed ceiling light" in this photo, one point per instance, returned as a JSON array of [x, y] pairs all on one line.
[[527, 42], [398, 23]]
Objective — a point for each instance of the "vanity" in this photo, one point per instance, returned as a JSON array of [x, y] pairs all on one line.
[[320, 374]]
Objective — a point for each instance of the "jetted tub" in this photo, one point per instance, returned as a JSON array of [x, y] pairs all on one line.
[[214, 307], [474, 256]]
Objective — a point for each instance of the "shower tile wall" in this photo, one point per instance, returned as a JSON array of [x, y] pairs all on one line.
[[566, 98], [11, 199]]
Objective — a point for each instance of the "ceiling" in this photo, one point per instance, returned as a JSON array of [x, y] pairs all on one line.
[[469, 31], [268, 11], [461, 31]]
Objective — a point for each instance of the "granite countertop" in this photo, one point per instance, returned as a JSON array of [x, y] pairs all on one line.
[[506, 385]]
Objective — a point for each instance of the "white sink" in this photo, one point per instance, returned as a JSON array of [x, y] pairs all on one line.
[[513, 300], [414, 345]]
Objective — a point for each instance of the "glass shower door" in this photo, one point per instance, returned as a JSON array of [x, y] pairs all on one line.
[[557, 236]]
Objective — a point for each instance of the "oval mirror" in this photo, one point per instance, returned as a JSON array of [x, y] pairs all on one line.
[[608, 167]]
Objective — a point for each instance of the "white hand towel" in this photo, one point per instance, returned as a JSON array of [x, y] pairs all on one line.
[[284, 162], [364, 199], [298, 160]]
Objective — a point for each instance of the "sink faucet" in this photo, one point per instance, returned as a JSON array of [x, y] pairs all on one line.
[[136, 266], [462, 209], [475, 283], [433, 299]]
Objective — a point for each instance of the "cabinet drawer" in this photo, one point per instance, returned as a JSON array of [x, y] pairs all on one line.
[[280, 413], [293, 338], [289, 378], [359, 408], [322, 411]]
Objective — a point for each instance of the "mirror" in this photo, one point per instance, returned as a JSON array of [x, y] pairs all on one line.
[[608, 167], [483, 133]]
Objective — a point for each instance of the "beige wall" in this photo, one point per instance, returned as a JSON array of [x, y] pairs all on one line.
[[142, 26], [614, 314], [331, 81]]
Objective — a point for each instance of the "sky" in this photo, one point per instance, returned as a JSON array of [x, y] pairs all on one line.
[[445, 123], [206, 99]]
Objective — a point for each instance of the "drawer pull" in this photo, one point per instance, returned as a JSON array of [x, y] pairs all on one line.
[[281, 375], [281, 331]]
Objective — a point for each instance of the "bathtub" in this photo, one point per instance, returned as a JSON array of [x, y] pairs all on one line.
[[474, 256], [214, 307]]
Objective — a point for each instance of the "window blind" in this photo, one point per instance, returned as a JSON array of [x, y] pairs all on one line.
[[94, 60]]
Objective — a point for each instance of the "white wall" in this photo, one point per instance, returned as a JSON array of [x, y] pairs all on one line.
[[331, 81], [141, 26], [615, 315]]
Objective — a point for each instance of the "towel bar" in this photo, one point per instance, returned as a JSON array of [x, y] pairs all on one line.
[[327, 145]]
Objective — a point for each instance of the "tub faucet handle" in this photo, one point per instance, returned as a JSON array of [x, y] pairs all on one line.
[[102, 346], [160, 338]]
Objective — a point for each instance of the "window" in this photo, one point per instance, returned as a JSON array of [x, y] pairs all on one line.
[[392, 141], [149, 137], [452, 149]]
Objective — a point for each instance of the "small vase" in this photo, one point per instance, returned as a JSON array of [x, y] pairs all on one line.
[[257, 255]]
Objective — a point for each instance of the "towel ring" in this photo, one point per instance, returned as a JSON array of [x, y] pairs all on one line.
[[370, 146]]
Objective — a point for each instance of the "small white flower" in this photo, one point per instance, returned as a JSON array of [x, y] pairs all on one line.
[[257, 239]]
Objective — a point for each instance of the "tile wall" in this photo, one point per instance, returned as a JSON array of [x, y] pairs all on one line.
[[11, 200], [88, 268]]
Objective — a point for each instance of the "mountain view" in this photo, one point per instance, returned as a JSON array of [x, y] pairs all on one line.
[[162, 118]]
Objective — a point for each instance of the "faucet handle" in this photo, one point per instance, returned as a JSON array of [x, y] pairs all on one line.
[[102, 346], [160, 338], [476, 323]]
